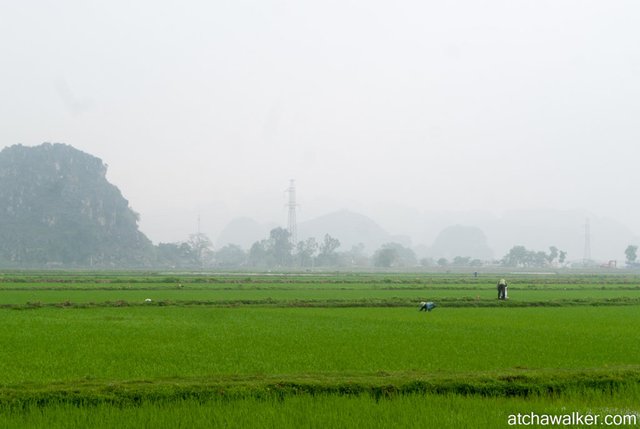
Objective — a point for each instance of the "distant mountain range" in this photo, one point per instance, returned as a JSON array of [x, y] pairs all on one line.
[[351, 229], [243, 231], [348, 227], [449, 234], [536, 230], [58, 209]]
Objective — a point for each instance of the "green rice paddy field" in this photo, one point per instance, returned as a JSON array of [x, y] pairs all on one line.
[[339, 350]]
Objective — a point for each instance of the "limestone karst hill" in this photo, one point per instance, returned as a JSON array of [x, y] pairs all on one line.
[[58, 209]]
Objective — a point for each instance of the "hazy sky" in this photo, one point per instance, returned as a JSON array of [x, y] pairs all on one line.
[[211, 107]]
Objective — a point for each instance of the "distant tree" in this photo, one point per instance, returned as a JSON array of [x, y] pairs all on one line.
[[230, 256], [272, 252], [306, 251], [538, 259], [442, 262], [259, 254], [329, 245], [187, 253], [475, 263], [553, 254], [174, 255], [517, 256], [562, 256], [385, 257], [395, 254], [201, 249], [632, 253], [462, 261], [328, 256], [280, 246]]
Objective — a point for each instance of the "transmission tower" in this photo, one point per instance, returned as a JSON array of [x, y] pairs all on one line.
[[292, 224], [587, 243]]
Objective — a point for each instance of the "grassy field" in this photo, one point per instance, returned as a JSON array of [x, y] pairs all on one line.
[[317, 297], [50, 345], [309, 351], [329, 411], [303, 290]]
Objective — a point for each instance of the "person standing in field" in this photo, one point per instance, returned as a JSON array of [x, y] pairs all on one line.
[[502, 289]]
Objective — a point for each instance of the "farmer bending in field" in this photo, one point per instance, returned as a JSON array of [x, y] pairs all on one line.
[[502, 289], [427, 306]]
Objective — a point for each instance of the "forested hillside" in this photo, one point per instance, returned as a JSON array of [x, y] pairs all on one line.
[[58, 209]]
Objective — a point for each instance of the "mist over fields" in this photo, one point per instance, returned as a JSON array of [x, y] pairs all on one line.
[[61, 211], [427, 234], [519, 119]]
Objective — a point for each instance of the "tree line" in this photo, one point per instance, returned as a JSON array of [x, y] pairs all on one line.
[[631, 252], [520, 256], [278, 252]]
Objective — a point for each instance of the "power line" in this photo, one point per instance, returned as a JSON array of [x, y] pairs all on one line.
[[587, 243], [292, 223]]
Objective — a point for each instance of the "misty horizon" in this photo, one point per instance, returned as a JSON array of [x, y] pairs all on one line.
[[396, 112]]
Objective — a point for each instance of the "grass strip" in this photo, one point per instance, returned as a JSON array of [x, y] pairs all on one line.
[[513, 383], [457, 302]]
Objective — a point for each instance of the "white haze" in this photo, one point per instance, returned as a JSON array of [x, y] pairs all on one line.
[[209, 107]]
